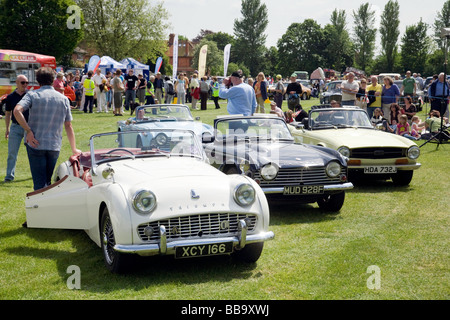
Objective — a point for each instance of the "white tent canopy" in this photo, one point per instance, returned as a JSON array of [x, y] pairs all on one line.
[[107, 62], [317, 74], [131, 63]]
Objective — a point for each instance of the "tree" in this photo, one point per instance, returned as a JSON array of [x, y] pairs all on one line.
[[39, 26], [415, 46], [364, 40], [249, 33], [301, 47], [339, 48], [125, 28], [442, 21], [390, 32]]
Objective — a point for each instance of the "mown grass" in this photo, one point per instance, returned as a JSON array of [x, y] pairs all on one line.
[[403, 231]]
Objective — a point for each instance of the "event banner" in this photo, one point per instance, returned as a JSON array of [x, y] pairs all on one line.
[[202, 61], [226, 59], [158, 64], [94, 62], [175, 56]]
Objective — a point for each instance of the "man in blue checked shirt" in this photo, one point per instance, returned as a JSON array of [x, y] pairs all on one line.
[[49, 112], [439, 92]]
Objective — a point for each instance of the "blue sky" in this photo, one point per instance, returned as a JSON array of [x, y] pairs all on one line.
[[188, 17]]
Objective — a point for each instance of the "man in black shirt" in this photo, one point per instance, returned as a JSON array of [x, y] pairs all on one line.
[[130, 86], [14, 133], [159, 88], [294, 91]]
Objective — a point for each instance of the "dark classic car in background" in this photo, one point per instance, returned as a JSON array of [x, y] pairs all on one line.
[[262, 148], [333, 92]]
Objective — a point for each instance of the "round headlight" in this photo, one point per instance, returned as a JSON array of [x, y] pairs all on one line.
[[244, 195], [161, 139], [344, 151], [269, 172], [413, 152], [144, 201], [333, 169]]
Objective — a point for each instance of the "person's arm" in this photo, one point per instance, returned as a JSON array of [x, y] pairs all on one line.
[[29, 138], [71, 137], [7, 122]]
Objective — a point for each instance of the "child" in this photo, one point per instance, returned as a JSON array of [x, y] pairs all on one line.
[[415, 129], [377, 117], [403, 127]]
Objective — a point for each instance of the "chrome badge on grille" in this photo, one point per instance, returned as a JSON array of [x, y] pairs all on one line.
[[194, 195]]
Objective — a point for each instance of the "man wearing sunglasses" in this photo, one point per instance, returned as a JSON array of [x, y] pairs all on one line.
[[14, 132]]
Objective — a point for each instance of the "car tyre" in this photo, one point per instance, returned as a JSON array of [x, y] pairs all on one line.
[[402, 178], [116, 262], [250, 253], [332, 203]]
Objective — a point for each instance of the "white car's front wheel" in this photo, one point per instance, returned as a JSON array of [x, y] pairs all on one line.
[[115, 262]]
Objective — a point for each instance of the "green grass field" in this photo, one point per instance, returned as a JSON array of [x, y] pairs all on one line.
[[402, 231]]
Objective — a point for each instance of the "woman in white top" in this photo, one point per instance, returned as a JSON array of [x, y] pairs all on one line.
[[180, 88]]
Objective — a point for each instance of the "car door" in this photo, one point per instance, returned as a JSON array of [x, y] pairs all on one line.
[[62, 205]]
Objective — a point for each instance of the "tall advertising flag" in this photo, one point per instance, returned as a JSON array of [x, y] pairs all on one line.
[[202, 61], [94, 62], [226, 59], [175, 56], [158, 64]]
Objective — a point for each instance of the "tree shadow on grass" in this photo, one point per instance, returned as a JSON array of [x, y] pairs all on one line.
[[146, 272]]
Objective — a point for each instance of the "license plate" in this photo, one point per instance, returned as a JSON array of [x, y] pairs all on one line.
[[295, 190], [203, 250], [380, 170]]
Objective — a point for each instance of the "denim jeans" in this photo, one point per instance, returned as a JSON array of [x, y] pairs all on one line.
[[42, 164], [16, 135]]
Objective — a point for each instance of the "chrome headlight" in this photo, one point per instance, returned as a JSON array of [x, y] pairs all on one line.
[[413, 152], [333, 169], [161, 139], [244, 195], [269, 171], [344, 151], [144, 201]]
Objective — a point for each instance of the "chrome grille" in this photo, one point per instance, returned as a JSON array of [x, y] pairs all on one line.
[[300, 176], [200, 225], [378, 153]]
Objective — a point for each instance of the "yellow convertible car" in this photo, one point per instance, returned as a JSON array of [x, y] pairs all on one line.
[[373, 154]]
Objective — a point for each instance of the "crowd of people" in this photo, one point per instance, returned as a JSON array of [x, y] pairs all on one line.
[[31, 117]]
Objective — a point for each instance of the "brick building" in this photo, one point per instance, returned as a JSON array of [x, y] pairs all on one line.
[[185, 55]]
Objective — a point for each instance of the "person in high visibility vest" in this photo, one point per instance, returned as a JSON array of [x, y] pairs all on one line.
[[215, 91], [150, 91], [89, 87]]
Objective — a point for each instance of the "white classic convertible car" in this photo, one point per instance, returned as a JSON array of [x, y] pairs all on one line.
[[153, 200], [372, 153]]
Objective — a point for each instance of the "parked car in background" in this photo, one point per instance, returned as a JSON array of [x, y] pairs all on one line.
[[333, 92], [155, 200], [261, 147], [164, 116], [372, 153]]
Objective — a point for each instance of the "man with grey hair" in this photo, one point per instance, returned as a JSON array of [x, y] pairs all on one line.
[[439, 94], [349, 89], [14, 133]]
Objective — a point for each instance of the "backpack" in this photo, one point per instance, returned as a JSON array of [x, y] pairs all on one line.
[[170, 90]]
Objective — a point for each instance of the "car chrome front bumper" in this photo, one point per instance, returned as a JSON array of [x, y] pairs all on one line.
[[326, 188], [168, 248]]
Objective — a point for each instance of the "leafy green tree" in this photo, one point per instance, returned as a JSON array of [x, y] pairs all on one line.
[[390, 33], [221, 39], [442, 21], [249, 33], [301, 47], [339, 48], [415, 44], [39, 26], [364, 39], [125, 28]]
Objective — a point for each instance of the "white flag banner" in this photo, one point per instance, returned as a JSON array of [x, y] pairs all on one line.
[[202, 61], [175, 57], [226, 59]]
